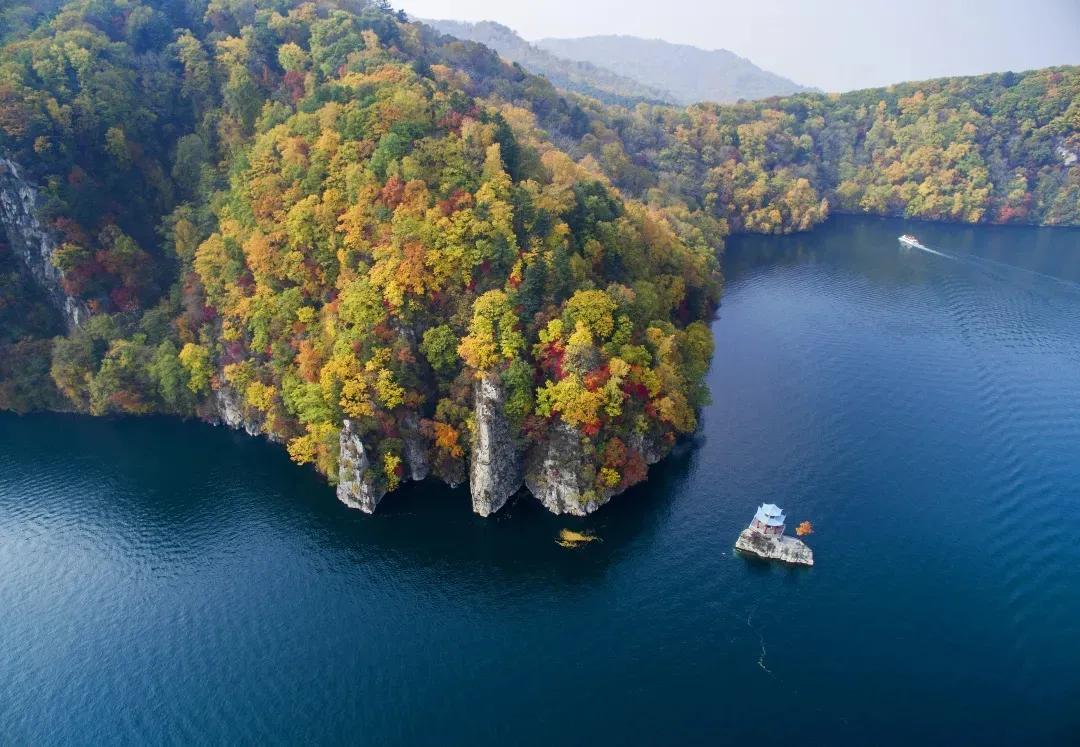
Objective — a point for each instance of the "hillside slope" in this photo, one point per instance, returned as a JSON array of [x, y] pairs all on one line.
[[999, 148], [691, 74], [369, 263]]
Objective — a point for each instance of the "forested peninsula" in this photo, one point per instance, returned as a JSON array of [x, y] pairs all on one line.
[[401, 257]]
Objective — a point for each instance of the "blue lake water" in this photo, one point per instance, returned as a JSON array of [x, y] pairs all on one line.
[[172, 582]]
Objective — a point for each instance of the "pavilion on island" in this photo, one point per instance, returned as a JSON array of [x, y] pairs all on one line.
[[769, 520]]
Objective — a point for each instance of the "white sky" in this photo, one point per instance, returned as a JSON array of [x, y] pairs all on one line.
[[832, 44]]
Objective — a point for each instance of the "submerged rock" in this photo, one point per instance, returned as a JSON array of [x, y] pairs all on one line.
[[782, 548], [495, 469], [356, 486], [33, 242]]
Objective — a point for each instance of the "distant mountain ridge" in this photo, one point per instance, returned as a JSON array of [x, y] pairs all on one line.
[[578, 76], [690, 74]]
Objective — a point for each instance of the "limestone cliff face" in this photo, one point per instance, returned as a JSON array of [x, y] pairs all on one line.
[[417, 449], [561, 475], [651, 451], [495, 468], [32, 241], [231, 412], [359, 483], [561, 471], [356, 488]]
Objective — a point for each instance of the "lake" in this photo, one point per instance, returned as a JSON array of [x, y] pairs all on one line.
[[173, 582]]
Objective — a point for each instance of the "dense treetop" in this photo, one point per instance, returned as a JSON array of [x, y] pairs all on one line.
[[357, 230], [997, 148]]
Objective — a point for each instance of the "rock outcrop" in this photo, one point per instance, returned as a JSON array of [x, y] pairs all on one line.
[[561, 475], [230, 411], [357, 487], [782, 548], [651, 451], [495, 469], [417, 449], [561, 471], [360, 483], [32, 241]]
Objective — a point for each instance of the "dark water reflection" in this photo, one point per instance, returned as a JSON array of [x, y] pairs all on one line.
[[172, 582]]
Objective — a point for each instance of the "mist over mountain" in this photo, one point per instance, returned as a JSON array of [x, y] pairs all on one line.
[[580, 77], [690, 74], [627, 70]]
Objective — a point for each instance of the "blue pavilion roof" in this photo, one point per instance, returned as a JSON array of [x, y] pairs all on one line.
[[770, 514]]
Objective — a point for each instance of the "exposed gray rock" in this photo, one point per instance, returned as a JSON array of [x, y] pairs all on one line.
[[33, 242], [495, 467], [561, 471], [417, 449], [359, 483], [650, 451], [782, 548], [356, 486], [561, 475], [231, 411]]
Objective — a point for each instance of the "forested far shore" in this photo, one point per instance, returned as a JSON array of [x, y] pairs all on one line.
[[1000, 148]]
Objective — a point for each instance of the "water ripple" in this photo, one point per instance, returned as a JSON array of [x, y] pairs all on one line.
[[173, 583]]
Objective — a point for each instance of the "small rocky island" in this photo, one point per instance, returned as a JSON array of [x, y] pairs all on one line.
[[765, 538]]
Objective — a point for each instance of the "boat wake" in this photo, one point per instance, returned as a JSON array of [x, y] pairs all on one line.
[[986, 261], [931, 251], [1065, 283]]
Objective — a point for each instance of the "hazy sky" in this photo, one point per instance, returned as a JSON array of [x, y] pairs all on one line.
[[832, 44]]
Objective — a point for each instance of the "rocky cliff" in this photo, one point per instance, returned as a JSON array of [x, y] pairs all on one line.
[[561, 474], [32, 241], [229, 410], [417, 448], [784, 549], [357, 487], [561, 471], [495, 470]]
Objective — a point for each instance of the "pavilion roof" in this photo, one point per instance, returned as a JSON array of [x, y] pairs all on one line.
[[770, 514]]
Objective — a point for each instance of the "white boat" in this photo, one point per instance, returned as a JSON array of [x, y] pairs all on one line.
[[909, 240]]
